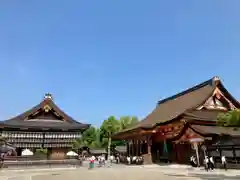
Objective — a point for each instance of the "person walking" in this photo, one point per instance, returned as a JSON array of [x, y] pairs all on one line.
[[224, 162]]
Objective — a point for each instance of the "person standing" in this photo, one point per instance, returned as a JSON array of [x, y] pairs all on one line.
[[99, 161], [195, 161], [103, 159], [224, 162], [134, 159], [191, 161], [80, 160], [91, 162], [206, 163], [211, 163], [111, 159], [117, 159], [128, 160]]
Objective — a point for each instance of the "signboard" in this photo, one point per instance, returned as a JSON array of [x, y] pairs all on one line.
[[196, 140]]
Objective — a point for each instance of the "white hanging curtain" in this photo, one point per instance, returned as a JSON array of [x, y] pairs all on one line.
[[72, 153], [27, 152]]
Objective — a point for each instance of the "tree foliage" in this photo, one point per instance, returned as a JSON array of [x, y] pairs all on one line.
[[110, 126], [230, 118], [91, 138], [127, 122], [100, 137]]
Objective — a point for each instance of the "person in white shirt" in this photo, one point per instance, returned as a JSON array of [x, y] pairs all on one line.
[[211, 163], [99, 158], [206, 163], [129, 160], [103, 159], [193, 161], [224, 162], [111, 159], [134, 158], [91, 162]]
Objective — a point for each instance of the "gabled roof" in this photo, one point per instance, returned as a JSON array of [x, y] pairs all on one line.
[[24, 120], [202, 115], [219, 130], [174, 106]]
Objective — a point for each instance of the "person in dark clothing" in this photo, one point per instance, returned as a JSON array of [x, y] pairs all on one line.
[[209, 164]]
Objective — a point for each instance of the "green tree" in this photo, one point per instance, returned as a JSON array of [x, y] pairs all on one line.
[[79, 143], [101, 137], [88, 137], [127, 122], [98, 140], [91, 138], [108, 128], [230, 118]]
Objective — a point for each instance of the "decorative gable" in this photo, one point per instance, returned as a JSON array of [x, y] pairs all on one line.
[[217, 101], [45, 114], [47, 108]]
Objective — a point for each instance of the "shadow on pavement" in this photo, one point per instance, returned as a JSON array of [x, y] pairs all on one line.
[[207, 176]]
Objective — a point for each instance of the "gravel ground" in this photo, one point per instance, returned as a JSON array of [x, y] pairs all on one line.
[[117, 172]]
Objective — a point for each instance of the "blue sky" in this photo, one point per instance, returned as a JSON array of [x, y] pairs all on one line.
[[101, 58]]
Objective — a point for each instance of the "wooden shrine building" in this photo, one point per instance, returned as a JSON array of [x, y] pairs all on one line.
[[169, 130], [44, 126]]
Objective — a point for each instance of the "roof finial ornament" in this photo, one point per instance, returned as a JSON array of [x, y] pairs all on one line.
[[216, 80], [48, 96]]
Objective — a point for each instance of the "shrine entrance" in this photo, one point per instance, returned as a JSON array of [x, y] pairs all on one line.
[[171, 143], [163, 152]]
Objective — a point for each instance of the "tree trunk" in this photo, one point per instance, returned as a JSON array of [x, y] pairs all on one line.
[[109, 147]]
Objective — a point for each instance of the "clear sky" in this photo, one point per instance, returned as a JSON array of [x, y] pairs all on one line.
[[101, 58]]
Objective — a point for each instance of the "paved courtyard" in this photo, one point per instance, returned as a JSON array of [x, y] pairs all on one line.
[[117, 173]]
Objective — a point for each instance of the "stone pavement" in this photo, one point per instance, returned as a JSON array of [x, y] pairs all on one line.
[[118, 172]]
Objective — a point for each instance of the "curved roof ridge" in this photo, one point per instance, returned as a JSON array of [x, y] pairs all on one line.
[[46, 101], [208, 82], [172, 107]]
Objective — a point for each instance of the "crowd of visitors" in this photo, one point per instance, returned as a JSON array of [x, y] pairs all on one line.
[[209, 163], [101, 160]]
